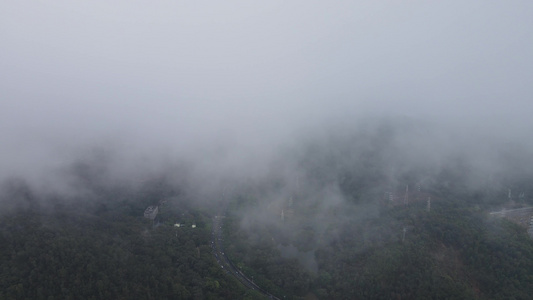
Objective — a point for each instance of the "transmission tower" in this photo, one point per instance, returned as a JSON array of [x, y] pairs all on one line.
[[406, 199]]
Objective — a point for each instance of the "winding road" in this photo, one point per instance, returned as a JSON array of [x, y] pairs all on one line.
[[226, 264]]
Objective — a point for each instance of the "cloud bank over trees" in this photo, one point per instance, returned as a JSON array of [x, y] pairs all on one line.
[[228, 90]]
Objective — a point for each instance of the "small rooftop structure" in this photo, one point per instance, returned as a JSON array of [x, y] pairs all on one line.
[[151, 212]]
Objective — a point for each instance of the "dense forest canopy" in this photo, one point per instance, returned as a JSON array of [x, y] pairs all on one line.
[[266, 149], [349, 215]]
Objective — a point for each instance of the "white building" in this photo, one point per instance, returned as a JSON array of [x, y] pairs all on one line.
[[151, 212]]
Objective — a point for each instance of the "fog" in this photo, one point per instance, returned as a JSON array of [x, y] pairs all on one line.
[[235, 90]]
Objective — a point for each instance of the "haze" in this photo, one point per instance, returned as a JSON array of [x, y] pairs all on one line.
[[226, 85]]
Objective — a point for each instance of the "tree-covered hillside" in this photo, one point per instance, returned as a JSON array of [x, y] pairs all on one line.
[[452, 252], [350, 215], [110, 253]]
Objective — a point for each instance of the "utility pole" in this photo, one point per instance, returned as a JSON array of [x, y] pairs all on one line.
[[406, 199], [404, 231], [429, 204]]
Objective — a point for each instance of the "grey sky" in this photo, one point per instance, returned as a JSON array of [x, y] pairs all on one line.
[[167, 77]]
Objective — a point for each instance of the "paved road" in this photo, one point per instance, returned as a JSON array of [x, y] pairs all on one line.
[[505, 212], [218, 250]]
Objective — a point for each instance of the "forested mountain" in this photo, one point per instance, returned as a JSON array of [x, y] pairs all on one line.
[[110, 251], [405, 252], [346, 216], [371, 227], [266, 150]]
